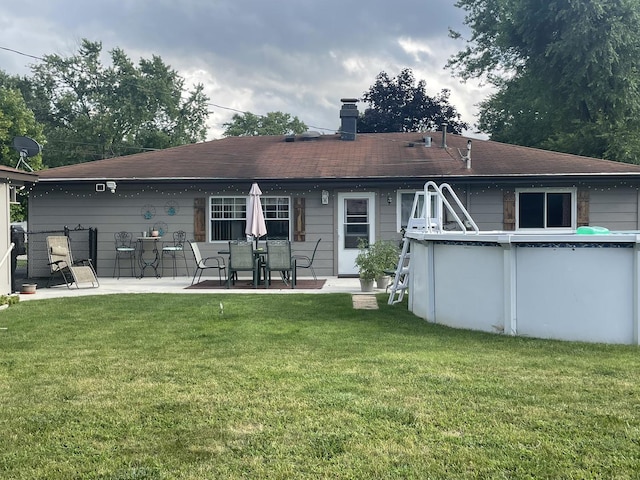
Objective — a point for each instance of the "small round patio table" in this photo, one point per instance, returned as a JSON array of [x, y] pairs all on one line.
[[148, 255]]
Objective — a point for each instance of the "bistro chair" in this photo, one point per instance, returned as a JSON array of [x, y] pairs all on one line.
[[174, 250], [302, 261], [242, 259], [279, 259], [61, 263], [207, 263], [125, 249]]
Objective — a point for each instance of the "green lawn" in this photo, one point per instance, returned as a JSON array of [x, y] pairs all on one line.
[[301, 386]]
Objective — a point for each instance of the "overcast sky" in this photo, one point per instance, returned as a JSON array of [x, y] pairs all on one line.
[[296, 56]]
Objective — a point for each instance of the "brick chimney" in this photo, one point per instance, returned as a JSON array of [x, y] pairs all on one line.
[[349, 117]]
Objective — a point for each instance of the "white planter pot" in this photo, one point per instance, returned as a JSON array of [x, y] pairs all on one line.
[[28, 288], [366, 285]]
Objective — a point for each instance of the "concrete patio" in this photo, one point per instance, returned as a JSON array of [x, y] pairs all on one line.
[[168, 284]]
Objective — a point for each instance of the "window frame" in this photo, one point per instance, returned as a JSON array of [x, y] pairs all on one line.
[[573, 191], [211, 218], [399, 193]]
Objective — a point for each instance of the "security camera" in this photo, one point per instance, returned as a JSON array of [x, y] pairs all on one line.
[[111, 186]]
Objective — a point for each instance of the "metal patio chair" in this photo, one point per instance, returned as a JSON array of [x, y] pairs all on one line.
[[207, 263], [279, 259], [303, 261], [174, 250], [242, 259], [125, 249], [61, 263]]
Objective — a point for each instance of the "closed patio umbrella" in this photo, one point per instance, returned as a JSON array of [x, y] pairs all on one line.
[[256, 225]]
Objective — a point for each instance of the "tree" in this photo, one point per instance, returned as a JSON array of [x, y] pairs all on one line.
[[274, 123], [399, 105], [566, 73], [92, 111], [16, 120]]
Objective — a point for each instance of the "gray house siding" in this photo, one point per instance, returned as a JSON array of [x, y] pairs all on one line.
[[53, 209], [615, 208], [388, 226], [319, 224], [486, 207], [79, 207]]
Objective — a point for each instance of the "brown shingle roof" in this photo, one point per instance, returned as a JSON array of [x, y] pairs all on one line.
[[381, 156], [17, 175]]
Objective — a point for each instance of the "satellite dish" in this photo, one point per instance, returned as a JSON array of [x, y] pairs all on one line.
[[26, 147]]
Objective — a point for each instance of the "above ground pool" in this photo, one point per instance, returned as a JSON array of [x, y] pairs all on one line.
[[580, 287]]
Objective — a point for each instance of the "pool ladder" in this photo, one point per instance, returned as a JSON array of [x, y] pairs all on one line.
[[427, 215]]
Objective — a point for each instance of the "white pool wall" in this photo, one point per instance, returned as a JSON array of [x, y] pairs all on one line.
[[562, 286]]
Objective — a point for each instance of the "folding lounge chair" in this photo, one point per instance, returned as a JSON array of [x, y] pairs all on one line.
[[61, 263]]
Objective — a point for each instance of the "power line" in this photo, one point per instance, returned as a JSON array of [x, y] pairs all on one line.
[[211, 104], [21, 53]]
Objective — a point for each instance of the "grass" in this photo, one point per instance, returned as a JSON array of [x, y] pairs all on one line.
[[301, 386]]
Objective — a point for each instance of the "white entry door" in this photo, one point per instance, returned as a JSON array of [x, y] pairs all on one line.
[[356, 220]]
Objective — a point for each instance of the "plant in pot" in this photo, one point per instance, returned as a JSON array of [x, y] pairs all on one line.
[[385, 255], [367, 268]]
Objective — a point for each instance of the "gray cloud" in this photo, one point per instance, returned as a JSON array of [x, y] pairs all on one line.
[[297, 56]]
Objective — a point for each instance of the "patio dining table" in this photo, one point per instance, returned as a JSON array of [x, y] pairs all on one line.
[[261, 256]]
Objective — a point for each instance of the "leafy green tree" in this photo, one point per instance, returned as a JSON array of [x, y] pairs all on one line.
[[273, 123], [400, 105], [93, 111], [566, 73], [17, 120]]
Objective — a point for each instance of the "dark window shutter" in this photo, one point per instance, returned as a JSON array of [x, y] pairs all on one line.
[[199, 223], [299, 233], [509, 210], [583, 207]]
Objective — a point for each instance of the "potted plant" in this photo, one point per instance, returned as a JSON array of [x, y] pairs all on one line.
[[366, 264], [385, 256]]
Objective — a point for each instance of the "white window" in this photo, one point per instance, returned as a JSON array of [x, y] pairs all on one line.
[[228, 217], [546, 209], [404, 202]]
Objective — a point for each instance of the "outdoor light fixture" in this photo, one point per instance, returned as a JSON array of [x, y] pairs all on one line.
[[325, 197], [111, 185], [389, 199]]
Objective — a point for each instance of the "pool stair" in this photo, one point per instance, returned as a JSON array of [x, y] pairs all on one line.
[[427, 215]]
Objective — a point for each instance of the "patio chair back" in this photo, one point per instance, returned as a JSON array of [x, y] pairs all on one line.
[[241, 259], [241, 255], [124, 241], [279, 259]]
